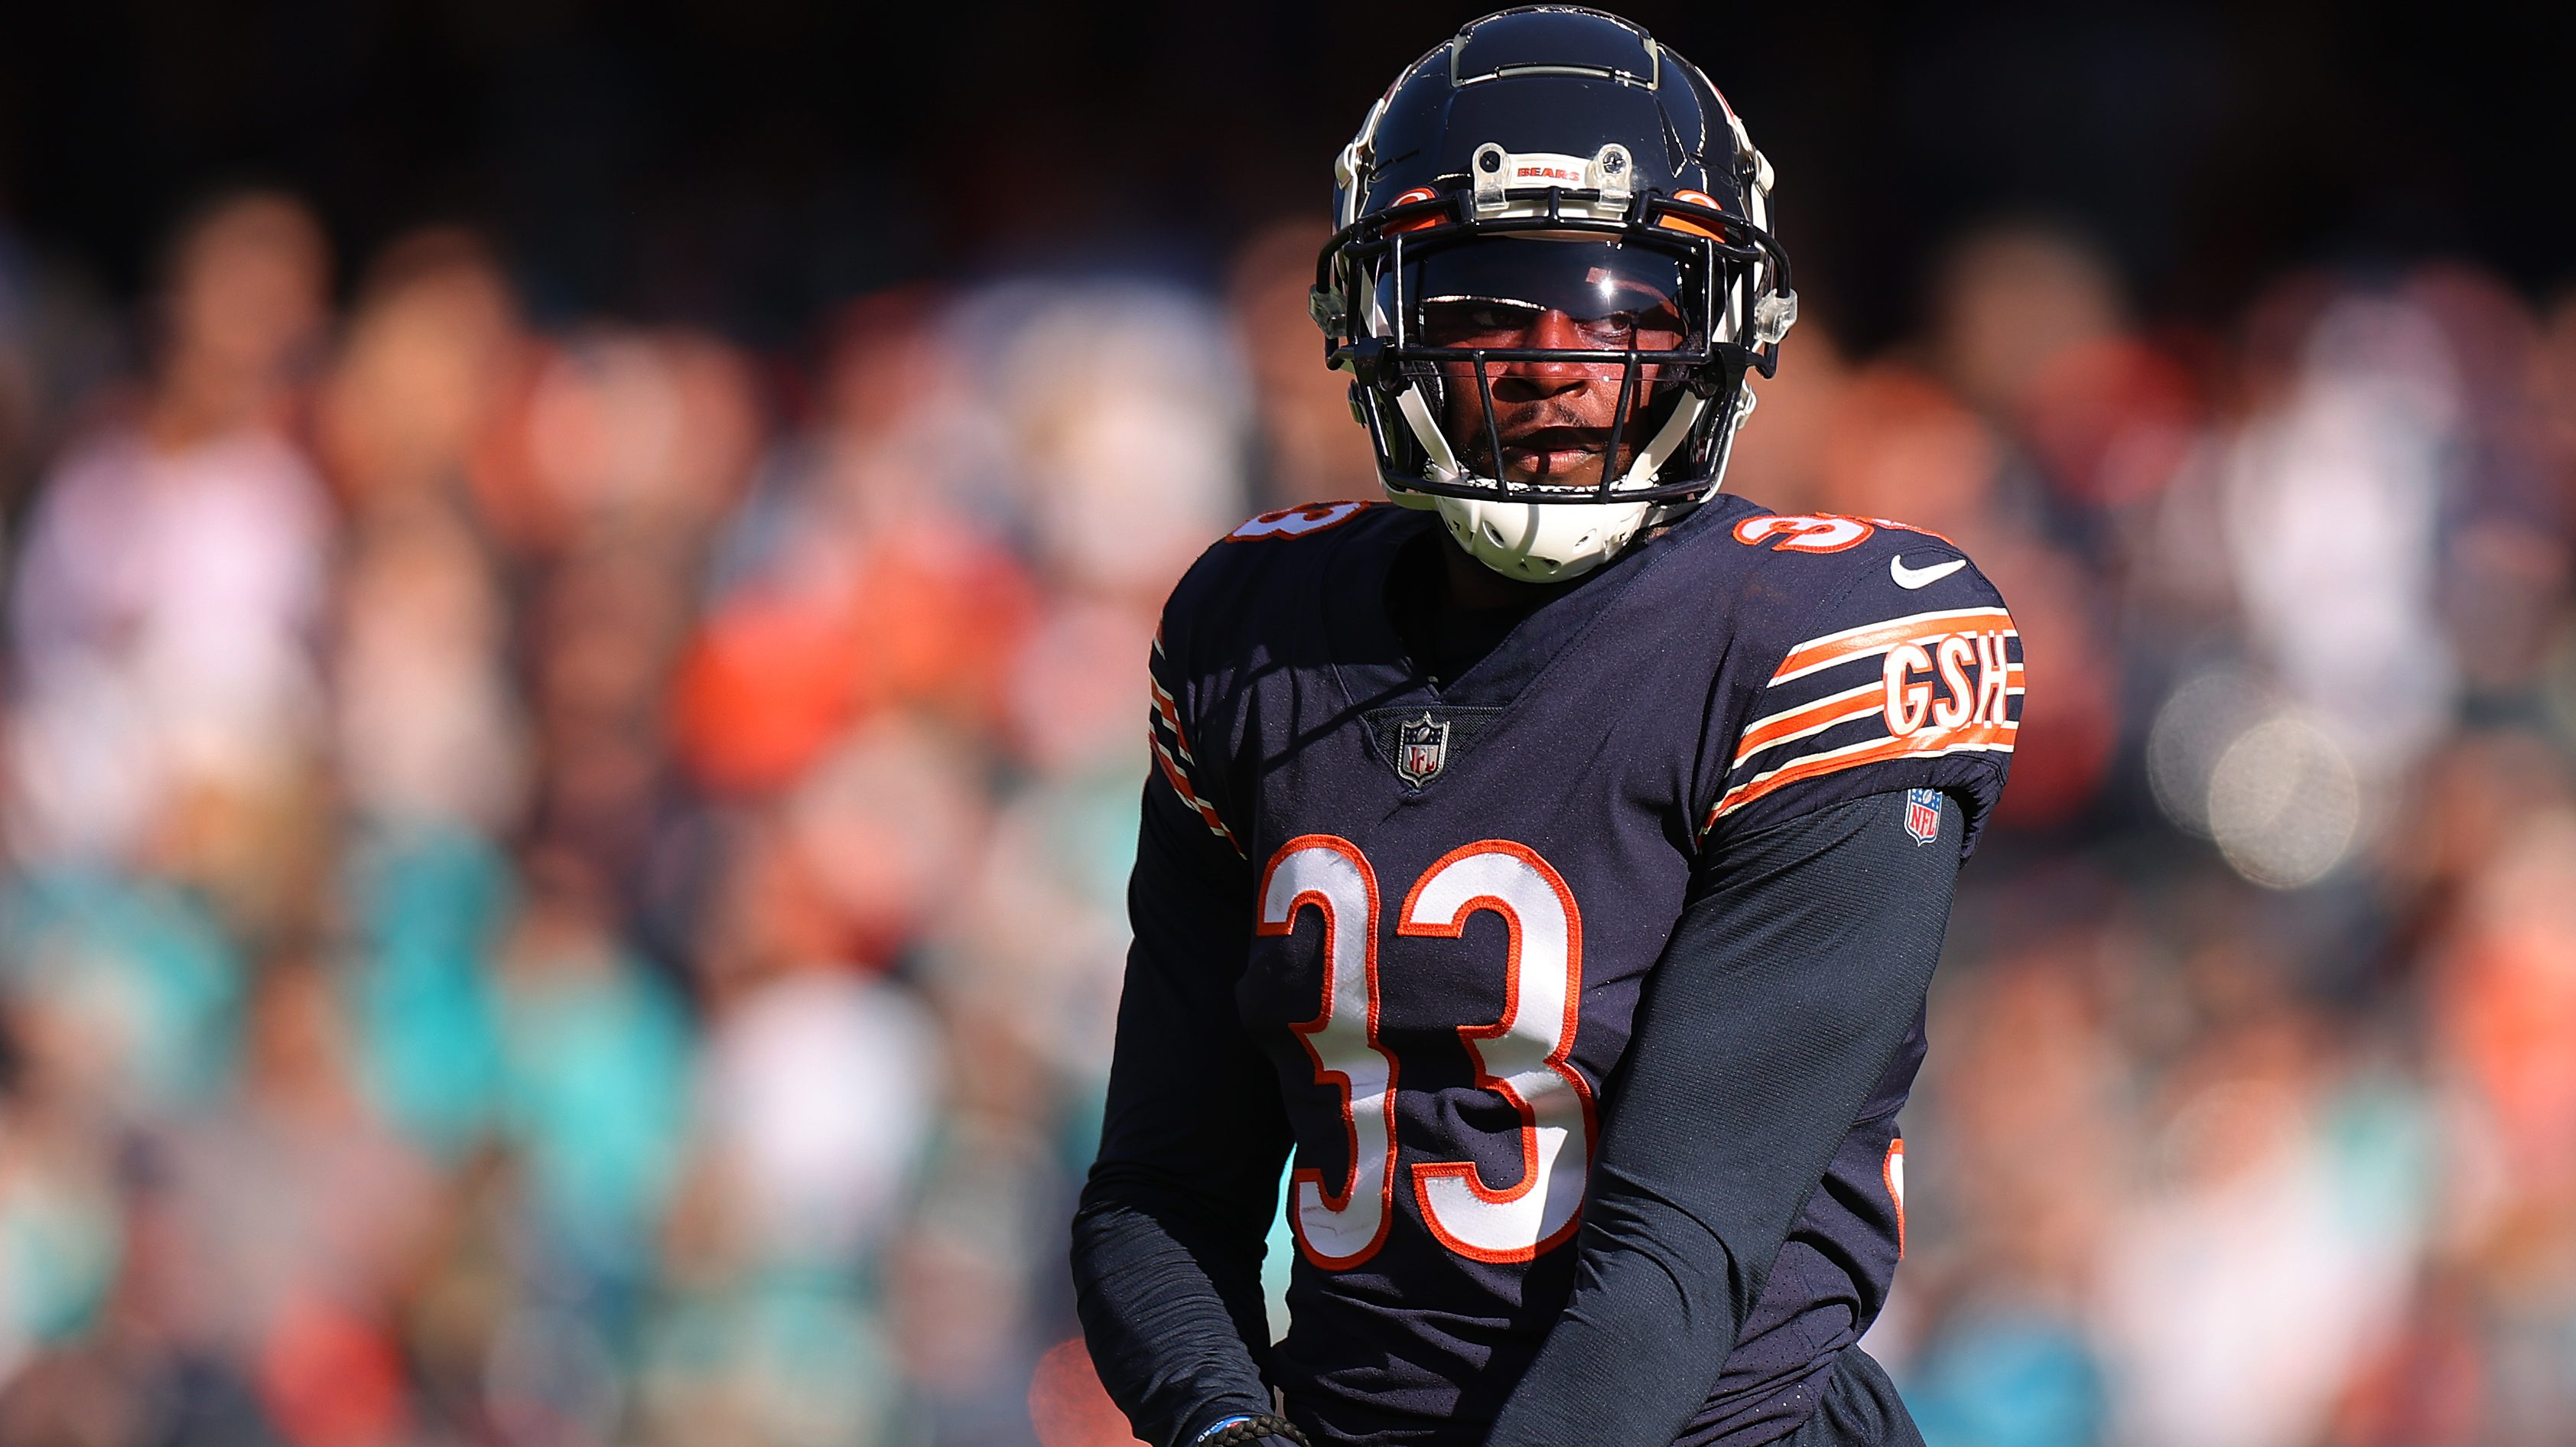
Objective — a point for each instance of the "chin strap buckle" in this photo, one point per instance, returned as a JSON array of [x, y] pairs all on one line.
[[1773, 314], [1329, 310]]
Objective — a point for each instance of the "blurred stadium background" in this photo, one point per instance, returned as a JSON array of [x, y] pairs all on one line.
[[577, 581]]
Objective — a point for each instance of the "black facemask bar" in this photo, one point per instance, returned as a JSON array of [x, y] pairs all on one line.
[[1620, 442], [1375, 261]]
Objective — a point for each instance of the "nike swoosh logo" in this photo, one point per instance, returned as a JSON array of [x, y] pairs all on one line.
[[1921, 577]]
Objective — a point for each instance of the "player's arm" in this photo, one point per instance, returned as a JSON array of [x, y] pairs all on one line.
[[1788, 986], [1167, 1243]]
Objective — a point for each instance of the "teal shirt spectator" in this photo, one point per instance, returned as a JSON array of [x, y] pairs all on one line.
[[597, 1059], [430, 902], [2010, 1378], [580, 1066], [59, 1254], [135, 968]]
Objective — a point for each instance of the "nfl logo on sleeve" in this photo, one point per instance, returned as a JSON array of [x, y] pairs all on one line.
[[1923, 814]]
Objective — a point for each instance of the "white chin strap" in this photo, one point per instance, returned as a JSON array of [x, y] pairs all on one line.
[[1443, 466], [1667, 440]]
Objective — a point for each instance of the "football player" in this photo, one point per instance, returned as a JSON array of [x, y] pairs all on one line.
[[1554, 856]]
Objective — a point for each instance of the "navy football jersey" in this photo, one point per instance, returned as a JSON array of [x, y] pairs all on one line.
[[1452, 897]]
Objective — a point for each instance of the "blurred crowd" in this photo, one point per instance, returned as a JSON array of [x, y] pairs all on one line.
[[565, 882]]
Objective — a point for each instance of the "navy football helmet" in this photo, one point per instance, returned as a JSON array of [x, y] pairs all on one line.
[[1552, 269]]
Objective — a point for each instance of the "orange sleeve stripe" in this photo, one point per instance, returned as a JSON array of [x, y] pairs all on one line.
[[1181, 785], [1167, 712], [1921, 744], [1845, 707], [1871, 638], [1824, 713]]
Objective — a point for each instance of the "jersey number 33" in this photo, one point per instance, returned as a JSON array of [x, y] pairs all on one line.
[[1521, 1057]]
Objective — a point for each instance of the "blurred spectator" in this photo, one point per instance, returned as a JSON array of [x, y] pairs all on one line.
[[1776, 463], [430, 726], [596, 1071], [1311, 448], [2011, 302], [2267, 1258], [2013, 1194], [2334, 493], [172, 586], [862, 573], [298, 1214], [820, 1173]]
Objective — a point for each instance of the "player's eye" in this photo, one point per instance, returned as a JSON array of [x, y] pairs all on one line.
[[1506, 324], [1475, 323], [1657, 330]]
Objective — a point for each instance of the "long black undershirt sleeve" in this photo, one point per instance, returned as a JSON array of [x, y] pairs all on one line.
[[1785, 991], [1168, 1239]]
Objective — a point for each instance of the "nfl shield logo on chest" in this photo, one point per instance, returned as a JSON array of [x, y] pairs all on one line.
[[1923, 814], [1422, 749]]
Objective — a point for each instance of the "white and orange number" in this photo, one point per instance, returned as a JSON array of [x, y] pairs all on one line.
[[1523, 1056], [1803, 533], [1297, 522]]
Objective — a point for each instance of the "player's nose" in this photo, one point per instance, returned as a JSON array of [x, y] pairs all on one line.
[[1550, 330]]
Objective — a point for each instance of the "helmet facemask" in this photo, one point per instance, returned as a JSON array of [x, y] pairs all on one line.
[[1548, 366], [1554, 381]]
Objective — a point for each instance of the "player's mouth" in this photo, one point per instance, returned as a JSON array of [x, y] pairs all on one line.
[[1552, 452]]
